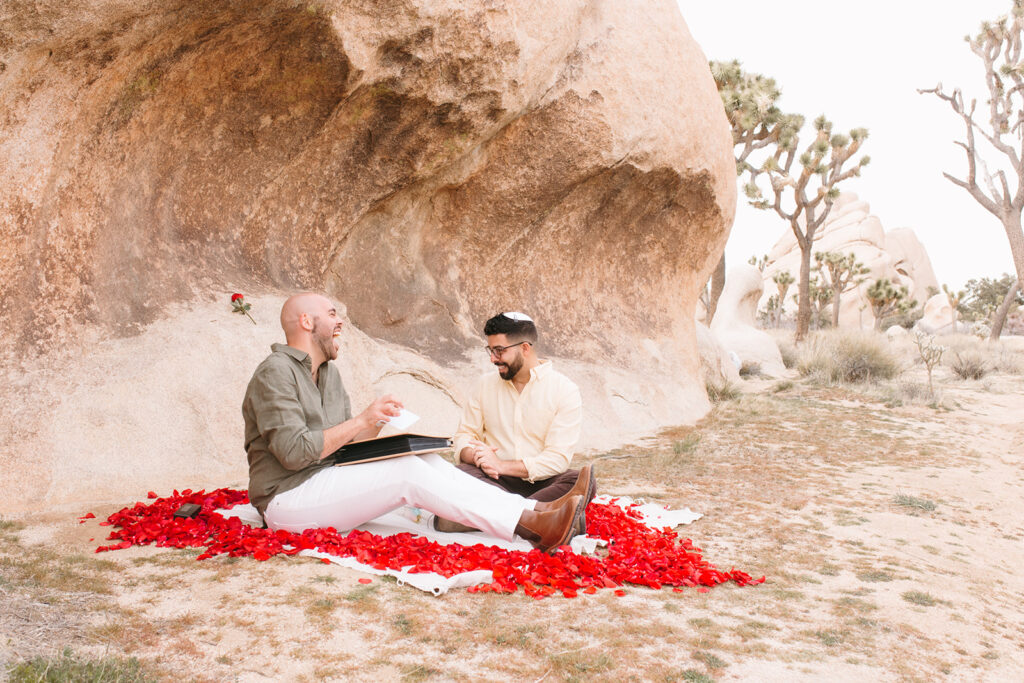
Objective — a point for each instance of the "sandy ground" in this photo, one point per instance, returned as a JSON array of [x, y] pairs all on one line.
[[892, 537]]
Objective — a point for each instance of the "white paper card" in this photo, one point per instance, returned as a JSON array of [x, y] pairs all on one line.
[[403, 420]]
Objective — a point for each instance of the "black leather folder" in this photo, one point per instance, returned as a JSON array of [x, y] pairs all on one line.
[[393, 446]]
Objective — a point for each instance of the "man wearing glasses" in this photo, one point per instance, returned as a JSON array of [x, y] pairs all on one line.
[[521, 425]]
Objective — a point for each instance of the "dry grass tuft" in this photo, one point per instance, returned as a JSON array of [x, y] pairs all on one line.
[[968, 365], [839, 356], [726, 391], [69, 667], [919, 598], [750, 368], [914, 503]]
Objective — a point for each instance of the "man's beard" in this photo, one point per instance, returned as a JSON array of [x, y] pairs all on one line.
[[324, 338], [509, 370]]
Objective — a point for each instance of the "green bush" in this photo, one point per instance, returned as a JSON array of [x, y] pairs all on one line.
[[847, 357]]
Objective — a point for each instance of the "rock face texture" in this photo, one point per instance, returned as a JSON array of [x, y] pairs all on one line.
[[426, 163], [850, 227], [735, 324]]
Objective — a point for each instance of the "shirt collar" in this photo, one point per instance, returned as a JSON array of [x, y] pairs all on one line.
[[542, 369], [538, 373], [297, 354]]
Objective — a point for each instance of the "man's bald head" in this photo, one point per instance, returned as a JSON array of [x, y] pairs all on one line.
[[308, 304], [311, 322]]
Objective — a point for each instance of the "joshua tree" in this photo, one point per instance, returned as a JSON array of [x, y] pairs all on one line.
[[782, 280], [841, 274], [821, 296], [931, 354], [998, 44], [757, 123], [886, 300], [804, 196]]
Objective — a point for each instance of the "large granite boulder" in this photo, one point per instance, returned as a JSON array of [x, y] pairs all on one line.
[[850, 227], [427, 163]]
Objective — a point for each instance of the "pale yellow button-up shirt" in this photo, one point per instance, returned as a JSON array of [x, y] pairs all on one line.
[[540, 426]]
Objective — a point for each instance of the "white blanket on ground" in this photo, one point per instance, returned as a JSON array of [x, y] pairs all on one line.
[[419, 523]]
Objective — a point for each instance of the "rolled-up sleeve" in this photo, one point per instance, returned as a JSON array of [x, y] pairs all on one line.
[[471, 427], [562, 437], [282, 422]]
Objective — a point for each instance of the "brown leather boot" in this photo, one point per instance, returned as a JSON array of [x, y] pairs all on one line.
[[552, 528], [584, 486]]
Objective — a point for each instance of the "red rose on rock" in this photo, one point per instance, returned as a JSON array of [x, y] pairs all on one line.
[[240, 306]]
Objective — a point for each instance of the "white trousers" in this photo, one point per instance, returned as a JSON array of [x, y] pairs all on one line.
[[345, 497]]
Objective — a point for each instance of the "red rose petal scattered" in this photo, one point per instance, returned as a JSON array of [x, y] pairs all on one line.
[[636, 554]]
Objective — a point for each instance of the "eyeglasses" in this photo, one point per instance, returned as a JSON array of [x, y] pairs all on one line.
[[499, 350]]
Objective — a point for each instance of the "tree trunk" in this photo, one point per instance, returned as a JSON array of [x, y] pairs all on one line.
[[835, 308], [1011, 224], [717, 285], [803, 315], [999, 319]]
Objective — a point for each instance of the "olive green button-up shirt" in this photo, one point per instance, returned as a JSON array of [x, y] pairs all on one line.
[[285, 415]]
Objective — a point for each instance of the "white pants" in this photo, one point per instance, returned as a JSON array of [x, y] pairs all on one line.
[[345, 497]]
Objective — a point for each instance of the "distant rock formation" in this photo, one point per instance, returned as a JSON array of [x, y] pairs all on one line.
[[938, 317], [735, 324], [897, 254], [427, 163]]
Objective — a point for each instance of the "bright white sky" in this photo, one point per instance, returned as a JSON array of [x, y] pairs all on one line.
[[860, 64]]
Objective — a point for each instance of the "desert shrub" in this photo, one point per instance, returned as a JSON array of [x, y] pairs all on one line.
[[847, 357], [968, 365], [726, 391], [784, 385], [1005, 355], [750, 368], [1009, 361], [789, 353]]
